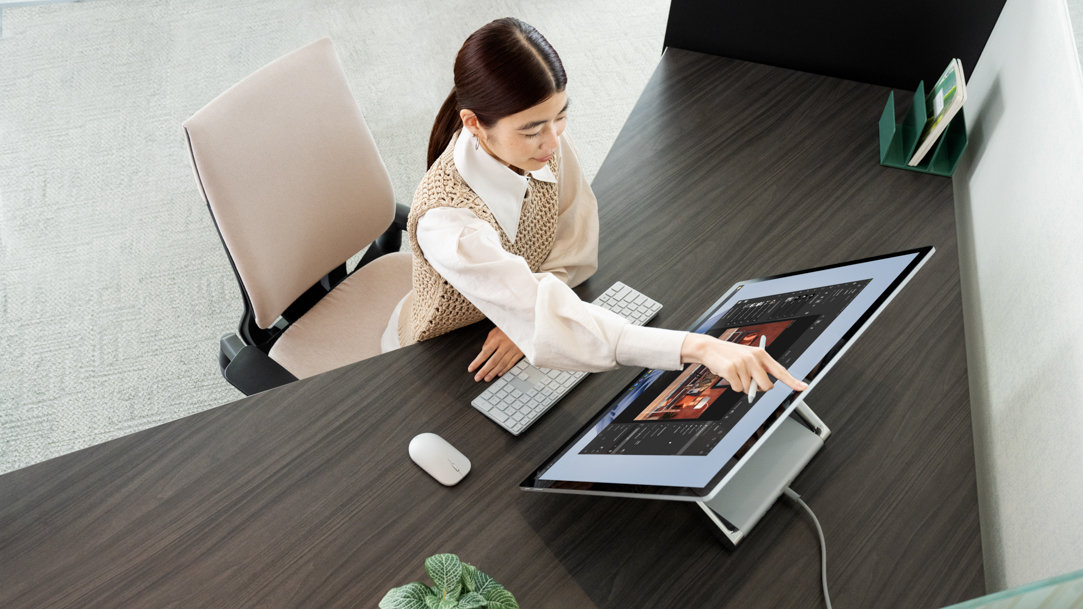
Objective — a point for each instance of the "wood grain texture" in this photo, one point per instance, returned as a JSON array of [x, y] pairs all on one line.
[[304, 496]]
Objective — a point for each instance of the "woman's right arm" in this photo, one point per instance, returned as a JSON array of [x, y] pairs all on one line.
[[554, 328]]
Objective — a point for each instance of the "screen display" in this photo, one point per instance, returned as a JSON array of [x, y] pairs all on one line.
[[679, 432]]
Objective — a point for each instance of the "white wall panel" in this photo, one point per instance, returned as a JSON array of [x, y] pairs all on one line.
[[1019, 202]]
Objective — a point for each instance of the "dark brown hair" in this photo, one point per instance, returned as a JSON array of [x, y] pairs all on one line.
[[505, 67]]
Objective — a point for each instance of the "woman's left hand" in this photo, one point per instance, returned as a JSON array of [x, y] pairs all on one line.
[[497, 356]]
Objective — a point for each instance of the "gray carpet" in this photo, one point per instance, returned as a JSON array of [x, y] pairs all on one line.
[[115, 287]]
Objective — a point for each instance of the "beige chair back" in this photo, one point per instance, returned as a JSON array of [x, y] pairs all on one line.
[[291, 174]]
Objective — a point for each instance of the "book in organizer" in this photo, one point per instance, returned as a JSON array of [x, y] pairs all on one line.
[[942, 103]]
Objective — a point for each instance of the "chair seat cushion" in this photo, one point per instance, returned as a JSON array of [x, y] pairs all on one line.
[[345, 326]]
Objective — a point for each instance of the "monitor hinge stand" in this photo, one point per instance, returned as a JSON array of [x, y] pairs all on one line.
[[740, 504]]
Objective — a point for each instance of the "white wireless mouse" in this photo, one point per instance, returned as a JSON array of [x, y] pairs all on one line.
[[439, 459]]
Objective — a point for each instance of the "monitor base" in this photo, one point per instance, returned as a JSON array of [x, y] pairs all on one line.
[[747, 496]]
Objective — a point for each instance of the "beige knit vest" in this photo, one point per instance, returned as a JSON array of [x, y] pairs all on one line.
[[434, 307]]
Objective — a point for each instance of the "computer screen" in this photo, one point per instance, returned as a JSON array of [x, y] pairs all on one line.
[[680, 434]]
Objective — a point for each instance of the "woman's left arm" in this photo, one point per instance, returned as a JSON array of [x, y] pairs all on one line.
[[574, 256]]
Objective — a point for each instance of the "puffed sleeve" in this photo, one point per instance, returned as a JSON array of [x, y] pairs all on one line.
[[538, 311], [574, 257]]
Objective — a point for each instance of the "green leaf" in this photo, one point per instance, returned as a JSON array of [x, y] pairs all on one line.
[[468, 577], [472, 600], [484, 583], [432, 601], [446, 570], [494, 593], [447, 603], [500, 598], [410, 596]]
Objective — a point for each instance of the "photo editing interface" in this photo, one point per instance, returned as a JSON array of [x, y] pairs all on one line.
[[689, 412]]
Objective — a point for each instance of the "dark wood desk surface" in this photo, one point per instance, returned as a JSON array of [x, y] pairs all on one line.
[[305, 496]]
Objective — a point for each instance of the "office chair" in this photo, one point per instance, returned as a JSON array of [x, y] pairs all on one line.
[[295, 185]]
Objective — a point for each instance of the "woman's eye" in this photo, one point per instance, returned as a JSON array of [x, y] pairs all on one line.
[[533, 134]]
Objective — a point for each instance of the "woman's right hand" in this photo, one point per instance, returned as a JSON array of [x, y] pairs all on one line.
[[738, 364], [498, 355]]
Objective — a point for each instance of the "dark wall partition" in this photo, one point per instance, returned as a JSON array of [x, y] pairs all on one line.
[[894, 43]]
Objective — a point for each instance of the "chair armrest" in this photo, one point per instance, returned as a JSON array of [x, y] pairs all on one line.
[[253, 371], [391, 240], [402, 213]]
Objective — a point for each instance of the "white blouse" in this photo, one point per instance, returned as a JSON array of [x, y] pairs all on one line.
[[538, 311]]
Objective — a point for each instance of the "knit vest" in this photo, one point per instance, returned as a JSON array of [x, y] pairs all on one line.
[[434, 307]]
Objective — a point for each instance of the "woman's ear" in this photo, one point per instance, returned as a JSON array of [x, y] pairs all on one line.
[[470, 120]]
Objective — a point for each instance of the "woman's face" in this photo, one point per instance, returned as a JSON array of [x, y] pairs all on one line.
[[525, 140]]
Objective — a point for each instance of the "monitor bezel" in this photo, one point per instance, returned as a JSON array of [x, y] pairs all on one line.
[[683, 493]]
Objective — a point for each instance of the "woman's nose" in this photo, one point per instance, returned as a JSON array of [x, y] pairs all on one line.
[[551, 138]]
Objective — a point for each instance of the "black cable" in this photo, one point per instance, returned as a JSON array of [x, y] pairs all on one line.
[[789, 492]]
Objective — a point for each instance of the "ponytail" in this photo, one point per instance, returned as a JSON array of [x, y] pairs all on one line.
[[444, 128]]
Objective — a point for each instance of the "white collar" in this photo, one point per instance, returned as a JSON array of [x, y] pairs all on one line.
[[501, 189]]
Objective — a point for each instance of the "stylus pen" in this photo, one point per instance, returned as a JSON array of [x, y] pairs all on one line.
[[752, 387]]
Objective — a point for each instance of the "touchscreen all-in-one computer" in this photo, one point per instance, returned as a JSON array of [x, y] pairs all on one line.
[[685, 435]]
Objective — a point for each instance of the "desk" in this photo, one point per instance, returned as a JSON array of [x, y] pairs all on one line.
[[304, 496]]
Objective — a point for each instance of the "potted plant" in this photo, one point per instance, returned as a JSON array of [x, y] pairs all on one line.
[[456, 585]]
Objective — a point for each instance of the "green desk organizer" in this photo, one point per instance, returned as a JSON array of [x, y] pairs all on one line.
[[898, 141]]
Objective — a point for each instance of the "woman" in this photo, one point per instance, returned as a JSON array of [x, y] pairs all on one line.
[[504, 224]]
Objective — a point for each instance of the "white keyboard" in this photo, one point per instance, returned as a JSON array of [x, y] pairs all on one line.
[[526, 392]]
